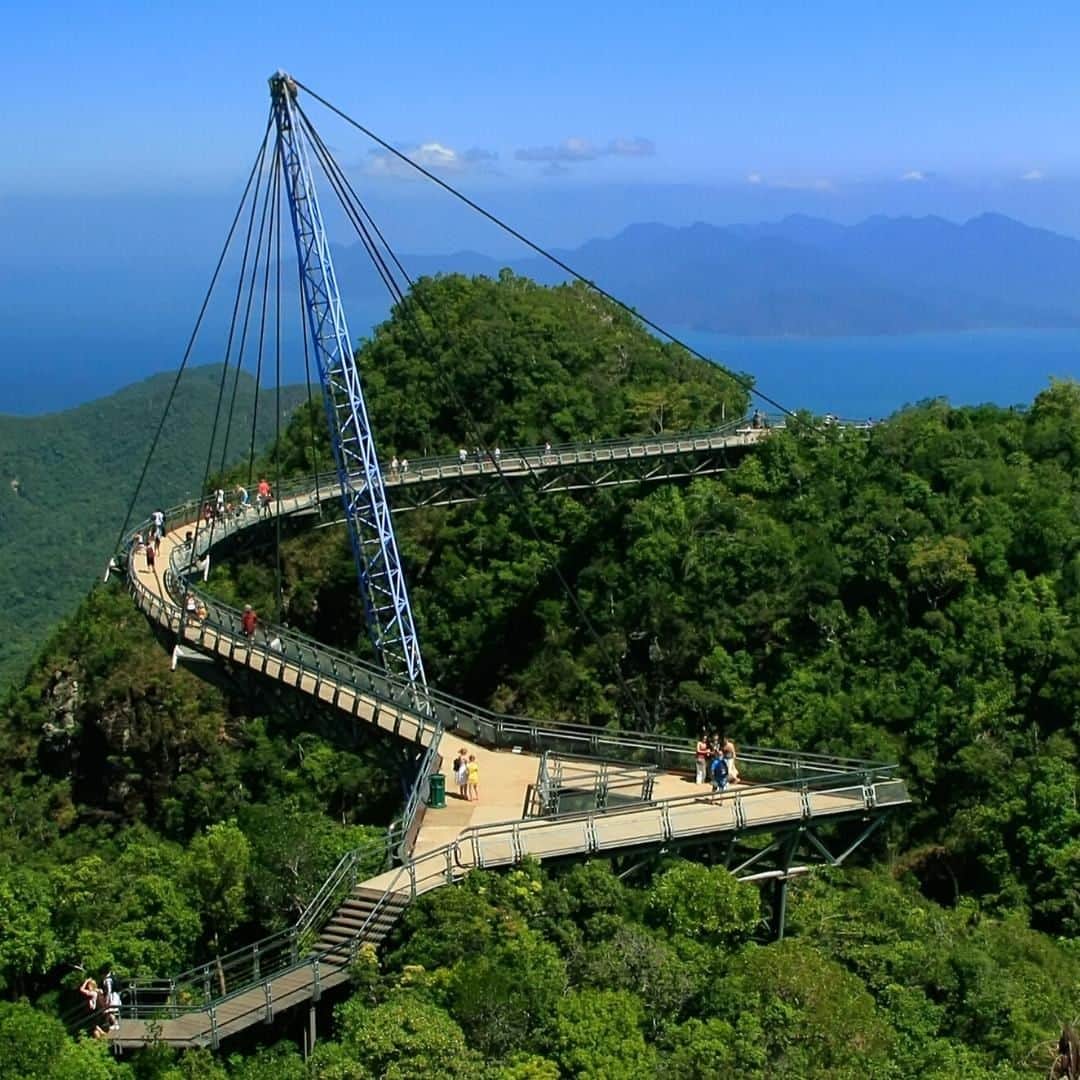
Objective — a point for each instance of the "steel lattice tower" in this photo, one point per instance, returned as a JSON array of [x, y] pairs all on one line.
[[367, 511]]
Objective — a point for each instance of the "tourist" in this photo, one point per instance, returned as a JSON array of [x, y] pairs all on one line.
[[112, 1009], [497, 453], [243, 500], [404, 466], [461, 774], [472, 775], [462, 456], [91, 992], [150, 553], [191, 608], [394, 466], [728, 749], [719, 773], [248, 621], [158, 518], [701, 759]]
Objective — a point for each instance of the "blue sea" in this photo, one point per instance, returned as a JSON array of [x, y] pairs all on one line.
[[855, 377], [871, 377]]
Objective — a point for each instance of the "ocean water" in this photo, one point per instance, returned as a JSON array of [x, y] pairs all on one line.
[[854, 377], [862, 377]]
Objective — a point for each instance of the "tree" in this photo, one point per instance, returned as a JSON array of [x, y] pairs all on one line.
[[504, 998], [704, 902], [219, 862], [29, 944], [598, 1036], [403, 1037]]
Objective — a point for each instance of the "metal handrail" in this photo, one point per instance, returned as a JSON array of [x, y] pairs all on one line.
[[451, 712], [449, 862], [443, 711]]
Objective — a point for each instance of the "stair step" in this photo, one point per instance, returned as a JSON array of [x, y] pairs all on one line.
[[344, 933], [350, 918], [359, 892]]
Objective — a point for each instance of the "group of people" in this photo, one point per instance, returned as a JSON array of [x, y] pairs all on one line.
[[103, 1003], [478, 453], [467, 775], [149, 546], [195, 610], [714, 761], [222, 508]]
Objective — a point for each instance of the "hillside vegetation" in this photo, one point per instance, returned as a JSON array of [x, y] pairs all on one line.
[[66, 479], [911, 592]]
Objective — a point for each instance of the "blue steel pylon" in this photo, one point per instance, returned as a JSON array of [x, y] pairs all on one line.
[[382, 579]]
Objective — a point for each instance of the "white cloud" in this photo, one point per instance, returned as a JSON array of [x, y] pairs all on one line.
[[576, 149], [914, 176], [572, 149], [1034, 174], [635, 147], [754, 178], [432, 155]]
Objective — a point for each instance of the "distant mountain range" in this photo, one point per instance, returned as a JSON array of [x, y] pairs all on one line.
[[806, 276]]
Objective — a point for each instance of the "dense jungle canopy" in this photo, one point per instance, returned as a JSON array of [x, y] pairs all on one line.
[[911, 592]]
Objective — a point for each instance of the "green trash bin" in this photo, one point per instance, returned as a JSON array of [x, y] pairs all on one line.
[[437, 791]]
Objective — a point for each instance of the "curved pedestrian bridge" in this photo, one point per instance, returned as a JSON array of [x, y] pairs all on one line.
[[785, 795]]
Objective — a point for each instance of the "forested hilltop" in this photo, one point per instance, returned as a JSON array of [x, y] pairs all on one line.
[[66, 480], [910, 592]]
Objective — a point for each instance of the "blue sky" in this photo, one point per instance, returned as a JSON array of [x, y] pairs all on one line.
[[155, 97]]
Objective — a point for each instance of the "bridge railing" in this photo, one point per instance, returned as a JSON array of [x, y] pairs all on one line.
[[445, 712], [818, 796], [323, 486], [237, 971], [564, 784], [440, 711]]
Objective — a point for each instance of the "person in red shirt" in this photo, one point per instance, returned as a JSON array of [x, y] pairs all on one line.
[[248, 621], [701, 758]]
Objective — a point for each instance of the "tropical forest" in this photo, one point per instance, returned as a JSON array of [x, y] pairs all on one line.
[[906, 592]]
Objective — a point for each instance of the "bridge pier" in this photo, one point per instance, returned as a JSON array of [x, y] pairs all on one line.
[[309, 1032]]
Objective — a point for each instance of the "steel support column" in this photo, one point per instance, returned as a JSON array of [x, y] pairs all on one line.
[[367, 511]]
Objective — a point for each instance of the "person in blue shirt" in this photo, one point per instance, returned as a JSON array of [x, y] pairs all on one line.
[[718, 773]]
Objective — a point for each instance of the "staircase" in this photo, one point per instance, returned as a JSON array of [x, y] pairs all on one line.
[[364, 910]]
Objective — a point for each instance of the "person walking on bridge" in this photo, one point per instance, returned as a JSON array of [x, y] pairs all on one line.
[[248, 621], [701, 759]]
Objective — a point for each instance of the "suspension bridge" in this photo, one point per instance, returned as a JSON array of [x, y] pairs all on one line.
[[549, 790]]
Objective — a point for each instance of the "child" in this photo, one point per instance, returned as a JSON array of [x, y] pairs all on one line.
[[472, 775]]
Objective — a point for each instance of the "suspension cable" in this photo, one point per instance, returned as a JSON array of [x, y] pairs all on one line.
[[228, 356], [241, 351], [278, 169], [194, 335], [262, 341], [350, 202], [741, 380], [307, 382]]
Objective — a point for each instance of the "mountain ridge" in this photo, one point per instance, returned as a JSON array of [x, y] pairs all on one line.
[[807, 276]]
